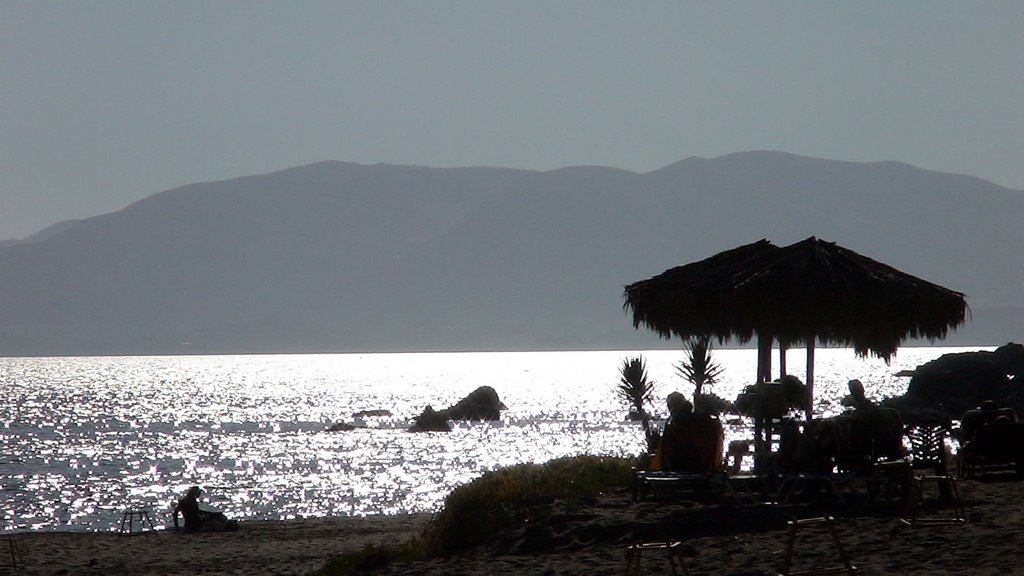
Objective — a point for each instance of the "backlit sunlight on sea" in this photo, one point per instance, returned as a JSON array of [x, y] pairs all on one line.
[[82, 439]]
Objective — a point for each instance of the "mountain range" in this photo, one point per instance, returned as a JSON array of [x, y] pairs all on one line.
[[339, 257]]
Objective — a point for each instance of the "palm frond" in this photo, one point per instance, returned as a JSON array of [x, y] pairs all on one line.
[[697, 366], [636, 389]]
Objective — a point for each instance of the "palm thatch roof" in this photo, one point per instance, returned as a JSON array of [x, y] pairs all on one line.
[[807, 291], [699, 298]]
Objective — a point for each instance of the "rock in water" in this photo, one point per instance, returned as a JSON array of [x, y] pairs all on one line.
[[368, 413], [481, 404], [431, 420], [956, 382]]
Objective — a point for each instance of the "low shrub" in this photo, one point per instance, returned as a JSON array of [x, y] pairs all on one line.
[[473, 514], [476, 513]]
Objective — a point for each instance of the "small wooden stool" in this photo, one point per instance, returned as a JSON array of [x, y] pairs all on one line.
[[673, 547], [828, 523], [128, 521], [916, 498], [888, 475], [12, 544]]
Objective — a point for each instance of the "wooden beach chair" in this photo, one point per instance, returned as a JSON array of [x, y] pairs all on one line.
[[828, 523], [16, 560], [928, 445], [948, 491], [927, 453], [674, 548], [998, 446]]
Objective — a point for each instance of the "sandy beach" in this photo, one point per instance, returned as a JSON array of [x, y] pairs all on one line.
[[258, 547], [724, 539]]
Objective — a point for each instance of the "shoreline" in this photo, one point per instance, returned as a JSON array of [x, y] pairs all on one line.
[[280, 547], [726, 539]]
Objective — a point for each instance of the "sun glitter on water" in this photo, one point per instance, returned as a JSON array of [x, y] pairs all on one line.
[[81, 439]]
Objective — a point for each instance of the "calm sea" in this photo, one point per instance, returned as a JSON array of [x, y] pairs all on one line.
[[81, 439]]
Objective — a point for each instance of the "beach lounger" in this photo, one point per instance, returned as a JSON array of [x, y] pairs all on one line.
[[750, 489], [998, 446], [648, 483], [688, 456]]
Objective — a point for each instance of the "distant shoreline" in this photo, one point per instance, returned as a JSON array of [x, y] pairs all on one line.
[[672, 347]]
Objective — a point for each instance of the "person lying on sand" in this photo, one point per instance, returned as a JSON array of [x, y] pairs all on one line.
[[197, 519]]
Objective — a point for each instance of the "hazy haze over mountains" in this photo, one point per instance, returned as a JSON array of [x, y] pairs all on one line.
[[346, 257]]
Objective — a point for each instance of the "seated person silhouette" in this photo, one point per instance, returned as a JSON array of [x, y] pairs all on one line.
[[691, 442], [197, 519], [988, 413], [857, 398], [878, 430], [994, 434]]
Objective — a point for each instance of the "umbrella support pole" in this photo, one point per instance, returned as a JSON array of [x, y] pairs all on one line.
[[759, 445], [782, 359], [763, 432], [810, 378], [764, 358]]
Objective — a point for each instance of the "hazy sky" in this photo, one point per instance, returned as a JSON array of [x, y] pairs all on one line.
[[103, 103]]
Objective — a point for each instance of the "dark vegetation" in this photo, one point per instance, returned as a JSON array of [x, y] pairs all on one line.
[[637, 390], [478, 513]]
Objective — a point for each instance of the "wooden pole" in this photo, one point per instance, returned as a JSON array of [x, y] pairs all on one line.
[[782, 358], [810, 378], [762, 425], [764, 358]]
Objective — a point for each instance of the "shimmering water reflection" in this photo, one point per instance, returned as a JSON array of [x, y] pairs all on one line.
[[81, 439]]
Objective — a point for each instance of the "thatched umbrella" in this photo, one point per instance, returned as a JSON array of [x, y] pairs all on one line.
[[700, 298], [811, 291]]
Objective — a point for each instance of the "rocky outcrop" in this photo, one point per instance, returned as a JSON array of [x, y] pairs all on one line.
[[1009, 358], [961, 377], [954, 383], [431, 420], [481, 404], [371, 413]]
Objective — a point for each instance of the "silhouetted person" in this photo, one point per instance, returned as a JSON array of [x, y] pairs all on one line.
[[787, 460], [992, 434], [197, 519], [986, 414], [882, 428], [857, 398], [691, 442]]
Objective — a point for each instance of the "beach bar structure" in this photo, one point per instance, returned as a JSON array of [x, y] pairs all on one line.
[[807, 293]]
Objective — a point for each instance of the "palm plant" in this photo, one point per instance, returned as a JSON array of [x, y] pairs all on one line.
[[636, 390], [697, 366]]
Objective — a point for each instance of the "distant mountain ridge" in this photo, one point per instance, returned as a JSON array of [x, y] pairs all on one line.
[[43, 234], [340, 257]]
